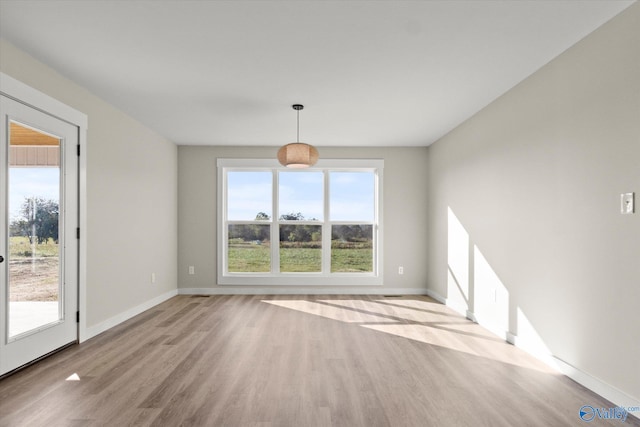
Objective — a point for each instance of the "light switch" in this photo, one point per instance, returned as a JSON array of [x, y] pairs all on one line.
[[627, 203]]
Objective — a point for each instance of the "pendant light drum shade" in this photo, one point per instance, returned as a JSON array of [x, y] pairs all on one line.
[[298, 155]]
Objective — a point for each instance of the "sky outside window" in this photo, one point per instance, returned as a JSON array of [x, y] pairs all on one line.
[[248, 193], [26, 183], [302, 192], [352, 196]]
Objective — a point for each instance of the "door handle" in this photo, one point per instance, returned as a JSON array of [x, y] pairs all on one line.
[[1, 259]]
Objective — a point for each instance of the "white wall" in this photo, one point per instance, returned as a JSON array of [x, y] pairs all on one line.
[[524, 209], [131, 200], [405, 208]]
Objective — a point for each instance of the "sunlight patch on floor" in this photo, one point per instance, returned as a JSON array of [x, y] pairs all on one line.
[[418, 320], [416, 304], [328, 311], [395, 312], [73, 377]]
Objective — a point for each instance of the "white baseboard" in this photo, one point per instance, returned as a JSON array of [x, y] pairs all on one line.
[[94, 330], [492, 327], [609, 392], [458, 308], [471, 316], [534, 349], [298, 290], [436, 296]]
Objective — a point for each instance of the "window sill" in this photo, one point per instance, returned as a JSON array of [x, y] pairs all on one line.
[[301, 280]]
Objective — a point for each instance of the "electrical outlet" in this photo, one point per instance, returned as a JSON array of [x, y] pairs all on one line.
[[401, 270], [153, 277], [192, 270]]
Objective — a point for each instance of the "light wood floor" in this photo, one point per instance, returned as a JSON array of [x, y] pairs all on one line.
[[294, 361]]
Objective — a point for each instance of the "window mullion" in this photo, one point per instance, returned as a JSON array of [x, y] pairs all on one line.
[[275, 225], [225, 225], [377, 220], [326, 229]]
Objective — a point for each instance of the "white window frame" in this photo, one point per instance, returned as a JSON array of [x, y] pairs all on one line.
[[324, 278]]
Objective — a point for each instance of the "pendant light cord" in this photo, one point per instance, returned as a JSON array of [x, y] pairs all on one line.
[[298, 107]]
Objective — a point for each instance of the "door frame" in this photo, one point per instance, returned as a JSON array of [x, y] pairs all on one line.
[[21, 92]]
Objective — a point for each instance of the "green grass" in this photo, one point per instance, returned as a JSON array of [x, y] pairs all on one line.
[[249, 258], [19, 247], [246, 257], [300, 260], [351, 260]]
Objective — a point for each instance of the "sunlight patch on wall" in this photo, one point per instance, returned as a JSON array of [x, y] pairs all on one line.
[[529, 340], [458, 264], [490, 297]]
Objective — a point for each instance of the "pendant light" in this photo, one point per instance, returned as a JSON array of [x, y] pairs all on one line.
[[298, 154]]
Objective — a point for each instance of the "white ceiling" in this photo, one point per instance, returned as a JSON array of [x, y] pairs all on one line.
[[370, 73]]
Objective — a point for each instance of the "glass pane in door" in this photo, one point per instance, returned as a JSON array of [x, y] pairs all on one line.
[[34, 229]]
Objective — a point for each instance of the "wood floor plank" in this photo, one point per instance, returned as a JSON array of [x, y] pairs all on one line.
[[295, 361]]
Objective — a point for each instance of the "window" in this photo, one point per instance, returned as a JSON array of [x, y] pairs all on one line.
[[317, 226]]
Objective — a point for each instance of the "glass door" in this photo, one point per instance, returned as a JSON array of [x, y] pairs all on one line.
[[39, 246]]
